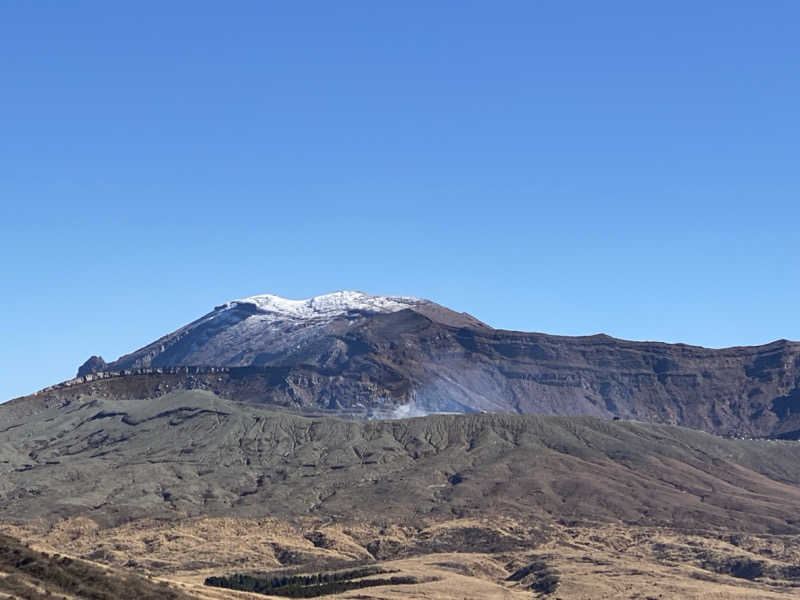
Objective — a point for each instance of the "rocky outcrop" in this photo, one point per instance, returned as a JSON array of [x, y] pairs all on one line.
[[95, 364]]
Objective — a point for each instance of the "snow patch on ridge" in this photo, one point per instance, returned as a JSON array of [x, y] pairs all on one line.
[[326, 306]]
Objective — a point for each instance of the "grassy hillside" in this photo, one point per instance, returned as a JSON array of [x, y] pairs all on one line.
[[31, 575]]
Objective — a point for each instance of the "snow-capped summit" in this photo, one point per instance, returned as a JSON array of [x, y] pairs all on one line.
[[327, 305], [269, 330]]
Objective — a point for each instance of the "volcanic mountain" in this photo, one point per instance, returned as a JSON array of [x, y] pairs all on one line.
[[188, 460], [353, 352], [268, 330]]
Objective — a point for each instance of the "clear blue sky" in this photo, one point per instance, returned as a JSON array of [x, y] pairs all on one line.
[[567, 167]]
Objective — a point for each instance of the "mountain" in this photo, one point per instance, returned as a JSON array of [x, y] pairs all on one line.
[[269, 330], [227, 452], [350, 352]]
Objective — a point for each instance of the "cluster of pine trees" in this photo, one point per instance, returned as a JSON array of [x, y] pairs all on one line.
[[308, 586]]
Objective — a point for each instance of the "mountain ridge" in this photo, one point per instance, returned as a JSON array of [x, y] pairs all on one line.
[[356, 353]]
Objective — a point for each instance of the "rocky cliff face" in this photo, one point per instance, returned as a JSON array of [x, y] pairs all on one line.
[[353, 352], [94, 364]]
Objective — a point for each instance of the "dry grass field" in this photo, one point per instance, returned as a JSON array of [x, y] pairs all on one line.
[[582, 561]]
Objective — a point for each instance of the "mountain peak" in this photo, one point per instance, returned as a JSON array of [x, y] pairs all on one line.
[[326, 305], [267, 330]]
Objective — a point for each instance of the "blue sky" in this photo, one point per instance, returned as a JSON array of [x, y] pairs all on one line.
[[567, 167]]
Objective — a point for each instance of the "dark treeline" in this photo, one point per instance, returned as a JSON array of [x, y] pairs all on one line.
[[308, 586]]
